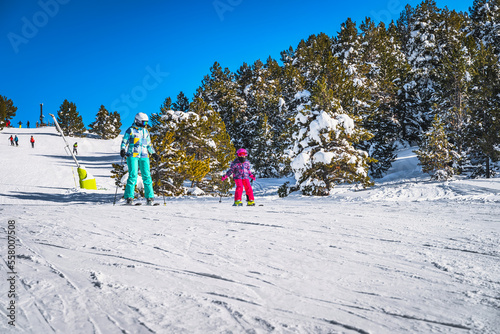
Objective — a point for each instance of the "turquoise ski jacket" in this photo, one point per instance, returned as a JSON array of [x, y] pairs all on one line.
[[138, 141]]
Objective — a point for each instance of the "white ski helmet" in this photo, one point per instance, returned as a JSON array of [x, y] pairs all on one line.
[[141, 119]]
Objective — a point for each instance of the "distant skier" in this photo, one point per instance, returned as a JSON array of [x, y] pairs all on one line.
[[11, 140], [7, 124], [138, 140], [16, 140], [28, 124], [240, 168], [75, 148], [32, 141]]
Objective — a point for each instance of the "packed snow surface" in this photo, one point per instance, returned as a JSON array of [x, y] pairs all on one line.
[[405, 256]]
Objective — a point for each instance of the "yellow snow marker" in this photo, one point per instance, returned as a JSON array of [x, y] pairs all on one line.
[[86, 180]]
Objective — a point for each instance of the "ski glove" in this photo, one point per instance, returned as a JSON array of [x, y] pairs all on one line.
[[122, 153], [224, 178], [155, 156], [252, 177]]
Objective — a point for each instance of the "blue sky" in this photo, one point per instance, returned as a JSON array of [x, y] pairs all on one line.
[[130, 55]]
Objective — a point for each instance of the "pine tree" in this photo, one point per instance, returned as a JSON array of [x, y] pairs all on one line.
[[485, 27], [292, 83], [7, 110], [157, 121], [182, 103], [324, 154], [454, 78], [193, 146], [382, 63], [212, 144], [69, 120], [106, 125], [115, 124], [418, 29], [219, 91], [266, 160], [260, 85], [483, 134], [100, 124], [436, 153]]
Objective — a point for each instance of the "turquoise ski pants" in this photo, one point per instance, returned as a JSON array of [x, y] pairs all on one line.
[[133, 169]]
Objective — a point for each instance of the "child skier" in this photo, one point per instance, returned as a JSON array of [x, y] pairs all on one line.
[[32, 141], [11, 141], [139, 148], [75, 148], [240, 168]]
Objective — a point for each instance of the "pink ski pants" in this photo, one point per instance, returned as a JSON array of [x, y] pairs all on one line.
[[240, 184]]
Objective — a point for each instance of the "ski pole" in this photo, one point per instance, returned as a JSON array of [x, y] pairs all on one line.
[[158, 181], [117, 183]]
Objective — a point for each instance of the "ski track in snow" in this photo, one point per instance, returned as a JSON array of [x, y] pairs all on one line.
[[406, 256]]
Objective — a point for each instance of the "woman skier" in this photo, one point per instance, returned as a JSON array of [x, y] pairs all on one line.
[[240, 168], [138, 140]]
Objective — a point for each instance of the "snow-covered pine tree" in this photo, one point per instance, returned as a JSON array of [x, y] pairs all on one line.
[[115, 124], [265, 160], [483, 131], [182, 102], [291, 83], [266, 123], [485, 27], [454, 79], [324, 154], [436, 153], [101, 123], [346, 46], [156, 118], [7, 110], [213, 144], [219, 91], [106, 125], [69, 119], [250, 81], [382, 63], [193, 146], [418, 28], [169, 137]]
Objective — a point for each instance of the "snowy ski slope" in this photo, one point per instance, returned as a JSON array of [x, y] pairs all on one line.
[[406, 256]]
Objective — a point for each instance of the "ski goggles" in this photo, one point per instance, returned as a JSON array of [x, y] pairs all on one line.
[[144, 123]]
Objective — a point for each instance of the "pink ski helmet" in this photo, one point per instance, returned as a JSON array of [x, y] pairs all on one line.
[[242, 152]]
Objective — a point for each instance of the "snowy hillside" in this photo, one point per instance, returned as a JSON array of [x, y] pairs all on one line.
[[405, 256]]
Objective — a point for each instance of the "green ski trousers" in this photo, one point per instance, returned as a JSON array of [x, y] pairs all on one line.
[[133, 170]]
